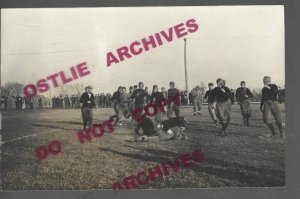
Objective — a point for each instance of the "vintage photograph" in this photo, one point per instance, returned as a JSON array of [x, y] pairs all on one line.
[[142, 98]]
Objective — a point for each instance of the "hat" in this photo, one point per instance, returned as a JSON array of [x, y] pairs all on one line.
[[267, 79], [88, 87], [219, 80]]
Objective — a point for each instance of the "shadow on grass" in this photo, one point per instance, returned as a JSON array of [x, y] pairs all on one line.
[[248, 175], [193, 129], [54, 126], [61, 122]]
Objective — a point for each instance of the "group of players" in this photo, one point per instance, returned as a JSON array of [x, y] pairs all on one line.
[[220, 101], [72, 101], [18, 103], [65, 102], [219, 98]]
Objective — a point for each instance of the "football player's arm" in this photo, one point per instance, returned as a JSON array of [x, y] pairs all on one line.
[[262, 102], [179, 96], [261, 105], [133, 95], [213, 97], [81, 100], [93, 101], [249, 93], [228, 92], [206, 95], [237, 94], [274, 89]]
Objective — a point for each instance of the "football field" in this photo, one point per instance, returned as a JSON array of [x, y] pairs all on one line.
[[243, 159]]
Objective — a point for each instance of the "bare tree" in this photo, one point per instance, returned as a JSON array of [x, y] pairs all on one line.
[[64, 89], [256, 94], [1, 90], [78, 88], [202, 86], [12, 89]]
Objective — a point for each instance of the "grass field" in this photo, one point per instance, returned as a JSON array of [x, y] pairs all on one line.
[[240, 160]]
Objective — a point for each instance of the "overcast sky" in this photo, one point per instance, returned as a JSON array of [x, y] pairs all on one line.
[[233, 42]]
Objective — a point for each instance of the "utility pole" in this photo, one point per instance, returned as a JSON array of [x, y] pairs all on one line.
[[185, 67]]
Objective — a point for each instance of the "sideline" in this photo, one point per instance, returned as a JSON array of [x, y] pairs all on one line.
[[19, 138], [30, 114]]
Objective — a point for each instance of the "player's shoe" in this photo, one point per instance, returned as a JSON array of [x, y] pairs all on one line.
[[136, 132], [170, 132], [195, 113], [221, 133], [142, 138], [217, 123], [269, 135], [225, 133], [281, 133], [145, 138], [199, 113]]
